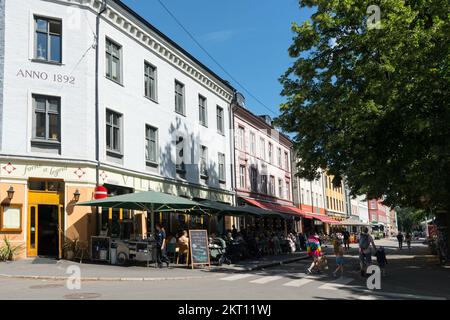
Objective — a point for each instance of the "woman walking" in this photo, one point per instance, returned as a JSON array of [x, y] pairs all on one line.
[[314, 250], [339, 253]]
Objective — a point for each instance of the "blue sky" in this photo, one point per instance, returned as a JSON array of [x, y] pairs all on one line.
[[249, 38]]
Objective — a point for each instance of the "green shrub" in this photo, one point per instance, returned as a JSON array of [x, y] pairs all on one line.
[[8, 251]]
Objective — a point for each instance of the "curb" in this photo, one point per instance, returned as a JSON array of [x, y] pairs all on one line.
[[56, 278], [64, 278], [279, 263]]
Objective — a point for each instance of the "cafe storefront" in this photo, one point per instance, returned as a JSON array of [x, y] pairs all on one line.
[[38, 209]]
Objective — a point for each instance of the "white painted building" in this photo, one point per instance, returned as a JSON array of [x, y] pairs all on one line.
[[163, 117], [363, 210]]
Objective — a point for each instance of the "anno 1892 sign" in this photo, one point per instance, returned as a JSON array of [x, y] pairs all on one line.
[[44, 76]]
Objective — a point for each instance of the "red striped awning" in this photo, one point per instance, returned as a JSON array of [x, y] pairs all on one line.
[[276, 207], [326, 219]]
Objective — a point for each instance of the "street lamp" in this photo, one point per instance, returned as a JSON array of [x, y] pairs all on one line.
[[76, 195], [10, 192]]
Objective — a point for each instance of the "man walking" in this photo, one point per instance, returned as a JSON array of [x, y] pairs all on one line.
[[400, 240], [365, 253], [161, 246]]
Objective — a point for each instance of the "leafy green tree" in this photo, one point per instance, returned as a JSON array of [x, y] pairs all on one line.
[[372, 104], [409, 219]]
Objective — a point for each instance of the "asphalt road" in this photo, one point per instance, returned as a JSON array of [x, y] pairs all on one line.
[[411, 275]]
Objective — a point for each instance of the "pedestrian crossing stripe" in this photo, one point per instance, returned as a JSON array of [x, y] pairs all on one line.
[[265, 280], [237, 277], [335, 285], [299, 282]]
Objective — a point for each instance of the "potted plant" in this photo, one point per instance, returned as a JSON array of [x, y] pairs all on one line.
[[8, 251], [69, 248]]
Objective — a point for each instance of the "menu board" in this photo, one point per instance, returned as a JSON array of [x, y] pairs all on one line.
[[199, 248]]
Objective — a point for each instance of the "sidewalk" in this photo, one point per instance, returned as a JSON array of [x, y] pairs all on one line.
[[49, 269], [409, 272]]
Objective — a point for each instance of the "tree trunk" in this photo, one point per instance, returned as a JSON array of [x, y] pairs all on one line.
[[443, 223]]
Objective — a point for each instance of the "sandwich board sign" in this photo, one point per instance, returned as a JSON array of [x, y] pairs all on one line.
[[199, 248]]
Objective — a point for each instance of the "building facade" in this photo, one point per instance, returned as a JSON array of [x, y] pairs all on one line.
[[262, 162], [363, 209], [132, 111], [335, 199]]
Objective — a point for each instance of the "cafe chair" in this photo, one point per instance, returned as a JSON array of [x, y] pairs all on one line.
[[184, 252], [171, 251]]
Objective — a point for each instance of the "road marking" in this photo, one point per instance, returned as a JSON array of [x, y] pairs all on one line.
[[265, 280], [367, 297], [399, 295], [299, 282], [237, 277], [335, 285]]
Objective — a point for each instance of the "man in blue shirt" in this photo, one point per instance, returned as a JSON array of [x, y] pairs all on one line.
[[161, 246]]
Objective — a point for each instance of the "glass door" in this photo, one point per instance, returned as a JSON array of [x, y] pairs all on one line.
[[32, 235]]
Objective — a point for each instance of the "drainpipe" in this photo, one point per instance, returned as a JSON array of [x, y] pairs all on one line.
[[97, 107], [232, 149]]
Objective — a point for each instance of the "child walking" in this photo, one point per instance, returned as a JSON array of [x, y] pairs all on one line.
[[381, 260], [339, 252]]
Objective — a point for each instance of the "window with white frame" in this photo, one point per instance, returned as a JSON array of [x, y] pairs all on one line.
[[48, 39], [288, 190], [270, 152], [151, 144], [252, 143], [262, 148], [253, 179], [220, 119], [241, 138], [46, 118], [264, 184], [280, 163], [150, 81], [113, 61], [280, 188], [113, 131], [272, 185], [203, 161], [179, 97], [202, 110], [242, 176], [286, 161], [222, 168]]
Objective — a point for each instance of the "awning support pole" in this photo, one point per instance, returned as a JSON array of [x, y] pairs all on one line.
[[152, 220]]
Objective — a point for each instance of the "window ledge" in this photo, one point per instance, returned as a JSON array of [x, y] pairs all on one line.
[[114, 154], [151, 99], [204, 125], [55, 63], [222, 181], [36, 141], [115, 81], [151, 164], [181, 114]]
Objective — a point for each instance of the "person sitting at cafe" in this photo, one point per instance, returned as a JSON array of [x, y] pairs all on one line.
[[183, 240]]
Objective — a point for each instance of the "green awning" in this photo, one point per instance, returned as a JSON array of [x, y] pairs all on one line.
[[263, 213], [225, 209], [146, 201]]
